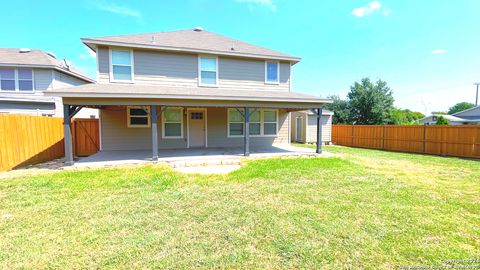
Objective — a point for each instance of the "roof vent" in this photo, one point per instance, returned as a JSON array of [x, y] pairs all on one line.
[[52, 55], [153, 41], [24, 50], [198, 29]]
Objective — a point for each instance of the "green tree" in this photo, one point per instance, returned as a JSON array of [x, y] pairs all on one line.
[[340, 109], [405, 117], [461, 106], [441, 121], [370, 103]]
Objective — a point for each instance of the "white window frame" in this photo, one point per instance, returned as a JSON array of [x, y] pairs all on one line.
[[276, 123], [132, 68], [138, 116], [262, 122], [266, 72], [200, 71], [165, 122], [259, 122], [17, 83], [228, 124]]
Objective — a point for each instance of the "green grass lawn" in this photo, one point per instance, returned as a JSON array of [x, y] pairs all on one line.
[[361, 209]]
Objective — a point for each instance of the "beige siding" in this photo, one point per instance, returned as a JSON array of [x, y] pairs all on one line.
[[103, 65], [116, 135], [181, 70], [165, 69], [62, 80], [309, 127], [249, 75], [43, 79], [302, 116], [326, 122]]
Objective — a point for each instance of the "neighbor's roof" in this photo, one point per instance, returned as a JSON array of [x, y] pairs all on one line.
[[156, 91], [39, 59], [450, 118], [190, 41], [474, 110]]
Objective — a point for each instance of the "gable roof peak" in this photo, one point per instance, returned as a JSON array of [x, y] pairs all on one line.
[[196, 40]]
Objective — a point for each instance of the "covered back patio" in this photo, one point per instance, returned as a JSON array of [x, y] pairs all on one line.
[[229, 123]]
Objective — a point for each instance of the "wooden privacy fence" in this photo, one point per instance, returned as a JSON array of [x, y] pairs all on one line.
[[461, 141], [26, 139], [85, 137]]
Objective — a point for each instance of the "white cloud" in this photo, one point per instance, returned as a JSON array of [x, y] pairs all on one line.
[[118, 9], [369, 9], [439, 51], [266, 3]]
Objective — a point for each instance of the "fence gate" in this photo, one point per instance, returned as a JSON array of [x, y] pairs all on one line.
[[85, 136]]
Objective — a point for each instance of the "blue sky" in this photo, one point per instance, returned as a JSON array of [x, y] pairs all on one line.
[[428, 51]]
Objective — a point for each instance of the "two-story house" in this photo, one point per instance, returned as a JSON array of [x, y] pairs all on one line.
[[187, 89], [25, 74]]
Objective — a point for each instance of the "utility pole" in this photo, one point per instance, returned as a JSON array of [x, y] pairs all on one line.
[[476, 97]]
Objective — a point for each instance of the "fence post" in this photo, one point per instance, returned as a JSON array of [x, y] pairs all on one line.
[[383, 137], [424, 138], [353, 133]]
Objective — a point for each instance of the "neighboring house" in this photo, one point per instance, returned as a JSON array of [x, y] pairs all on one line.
[[304, 127], [187, 89], [25, 74], [470, 116], [466, 117]]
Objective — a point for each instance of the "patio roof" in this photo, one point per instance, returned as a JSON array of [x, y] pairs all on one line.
[[128, 94]]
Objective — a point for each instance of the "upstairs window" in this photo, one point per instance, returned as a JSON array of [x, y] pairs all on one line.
[[208, 74], [272, 72], [121, 69], [7, 79], [138, 116], [16, 80], [25, 80]]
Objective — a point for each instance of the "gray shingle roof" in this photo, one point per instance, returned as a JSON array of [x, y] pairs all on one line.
[[37, 58], [119, 90], [191, 40]]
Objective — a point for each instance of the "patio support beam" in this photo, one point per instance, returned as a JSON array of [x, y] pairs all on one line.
[[318, 113], [154, 134], [246, 143], [67, 135]]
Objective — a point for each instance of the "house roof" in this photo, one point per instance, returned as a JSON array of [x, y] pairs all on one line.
[[39, 59], [163, 92], [450, 118], [469, 112], [192, 40]]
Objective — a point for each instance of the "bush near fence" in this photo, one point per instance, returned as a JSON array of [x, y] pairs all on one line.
[[461, 141], [26, 139]]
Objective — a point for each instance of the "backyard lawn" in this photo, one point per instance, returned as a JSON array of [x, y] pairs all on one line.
[[360, 209]]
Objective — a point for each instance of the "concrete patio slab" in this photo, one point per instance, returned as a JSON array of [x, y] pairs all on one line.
[[190, 157]]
